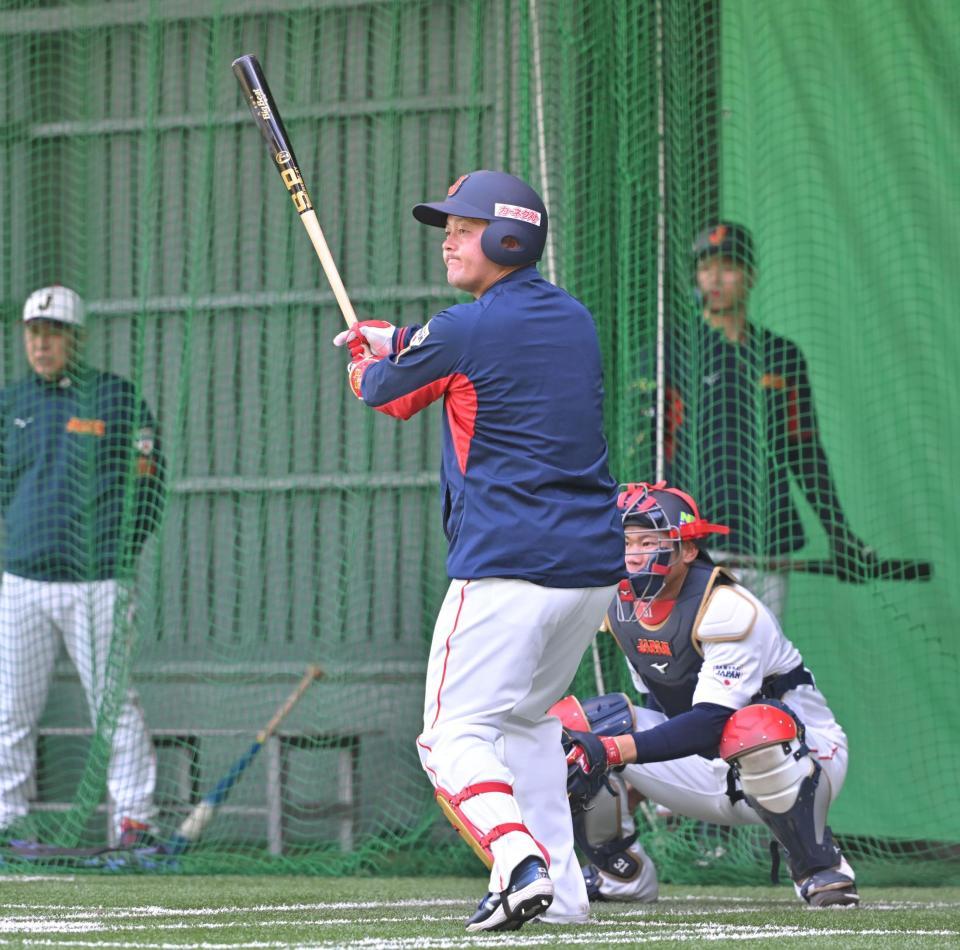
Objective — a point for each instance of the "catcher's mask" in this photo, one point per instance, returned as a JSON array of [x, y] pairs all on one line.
[[674, 516]]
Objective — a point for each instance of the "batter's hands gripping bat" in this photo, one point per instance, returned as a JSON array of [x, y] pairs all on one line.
[[195, 823], [254, 85]]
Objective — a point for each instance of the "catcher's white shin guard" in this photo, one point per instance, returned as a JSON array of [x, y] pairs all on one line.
[[787, 788]]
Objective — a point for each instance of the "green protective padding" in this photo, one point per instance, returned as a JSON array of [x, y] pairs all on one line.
[[300, 528]]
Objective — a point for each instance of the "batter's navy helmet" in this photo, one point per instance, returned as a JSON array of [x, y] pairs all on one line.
[[727, 238], [512, 207]]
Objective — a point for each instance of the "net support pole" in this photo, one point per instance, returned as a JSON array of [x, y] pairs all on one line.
[[661, 244], [549, 263]]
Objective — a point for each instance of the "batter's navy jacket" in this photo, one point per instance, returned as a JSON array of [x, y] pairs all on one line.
[[68, 452], [525, 488]]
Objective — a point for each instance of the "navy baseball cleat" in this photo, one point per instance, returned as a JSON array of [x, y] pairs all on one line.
[[830, 888], [591, 877], [530, 893]]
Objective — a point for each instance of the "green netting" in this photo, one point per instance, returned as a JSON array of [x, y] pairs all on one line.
[[299, 528]]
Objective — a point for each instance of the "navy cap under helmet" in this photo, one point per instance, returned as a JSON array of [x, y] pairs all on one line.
[[727, 238], [511, 206]]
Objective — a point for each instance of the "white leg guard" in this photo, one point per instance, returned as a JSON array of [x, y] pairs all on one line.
[[788, 790]]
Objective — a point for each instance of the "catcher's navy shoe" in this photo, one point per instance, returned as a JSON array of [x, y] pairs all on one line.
[[530, 893], [830, 888], [591, 877]]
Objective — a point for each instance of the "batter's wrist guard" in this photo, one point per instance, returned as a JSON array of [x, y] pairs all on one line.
[[401, 337], [355, 373]]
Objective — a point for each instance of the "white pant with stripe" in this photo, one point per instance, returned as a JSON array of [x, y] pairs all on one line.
[[503, 652]]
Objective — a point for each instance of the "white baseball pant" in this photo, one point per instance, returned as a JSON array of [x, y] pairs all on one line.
[[695, 787], [35, 617], [503, 652]]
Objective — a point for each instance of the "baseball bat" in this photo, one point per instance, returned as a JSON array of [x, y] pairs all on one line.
[[889, 569], [254, 85], [194, 824]]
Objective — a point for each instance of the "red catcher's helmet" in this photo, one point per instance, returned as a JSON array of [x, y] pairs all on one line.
[[512, 207], [662, 508]]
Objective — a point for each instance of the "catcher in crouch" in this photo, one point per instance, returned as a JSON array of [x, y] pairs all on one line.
[[737, 732]]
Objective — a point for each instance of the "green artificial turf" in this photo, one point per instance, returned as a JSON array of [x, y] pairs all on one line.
[[150, 912]]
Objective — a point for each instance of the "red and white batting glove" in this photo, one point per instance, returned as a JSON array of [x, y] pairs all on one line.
[[378, 335], [355, 342]]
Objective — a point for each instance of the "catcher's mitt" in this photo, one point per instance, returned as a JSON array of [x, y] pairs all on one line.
[[587, 768]]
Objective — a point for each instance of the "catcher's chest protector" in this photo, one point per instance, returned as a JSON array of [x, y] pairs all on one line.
[[664, 655]]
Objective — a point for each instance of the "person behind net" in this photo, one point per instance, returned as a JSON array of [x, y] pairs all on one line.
[[81, 488], [535, 548], [741, 426], [737, 732]]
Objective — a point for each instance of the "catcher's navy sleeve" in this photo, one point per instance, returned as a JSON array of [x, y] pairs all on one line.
[[695, 732]]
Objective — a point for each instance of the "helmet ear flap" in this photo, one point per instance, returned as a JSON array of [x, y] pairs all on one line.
[[529, 247]]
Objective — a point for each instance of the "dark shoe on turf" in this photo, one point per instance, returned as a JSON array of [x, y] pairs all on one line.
[[18, 832], [529, 893], [830, 888], [591, 877]]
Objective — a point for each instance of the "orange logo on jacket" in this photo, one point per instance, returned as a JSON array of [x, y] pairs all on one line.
[[659, 647], [87, 426]]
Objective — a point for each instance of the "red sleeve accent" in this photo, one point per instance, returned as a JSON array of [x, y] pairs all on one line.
[[461, 408], [403, 407]]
